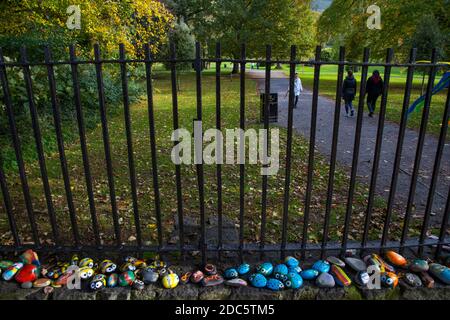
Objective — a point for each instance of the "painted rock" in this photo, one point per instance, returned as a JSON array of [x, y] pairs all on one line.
[[26, 285], [74, 260], [5, 264], [158, 264], [62, 280], [362, 278], [309, 274], [107, 267], [274, 284], [356, 264], [9, 273], [28, 273], [321, 266], [98, 282], [427, 280], [257, 280], [138, 284], [325, 280], [130, 259], [127, 266], [212, 280], [30, 257], [126, 278], [294, 280], [413, 280], [149, 276], [112, 280], [236, 282], [197, 276], [419, 265], [265, 269], [140, 264], [296, 269], [336, 261], [374, 262], [230, 273], [86, 273], [42, 282], [340, 277], [291, 262], [57, 271], [384, 264], [243, 269], [280, 272], [210, 269], [441, 272], [170, 281], [389, 279], [86, 262], [185, 277], [396, 259]]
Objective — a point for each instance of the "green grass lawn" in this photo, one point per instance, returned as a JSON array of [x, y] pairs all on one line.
[[187, 112]]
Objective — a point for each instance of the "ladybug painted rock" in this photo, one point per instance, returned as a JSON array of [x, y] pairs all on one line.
[[294, 280], [112, 280], [274, 284], [86, 273], [230, 273], [127, 266], [396, 259], [9, 273], [86, 262], [265, 268], [389, 279], [257, 280], [107, 267], [28, 273], [291, 262], [30, 257], [98, 282], [243, 269], [126, 278], [170, 281], [321, 266], [280, 272], [309, 274]]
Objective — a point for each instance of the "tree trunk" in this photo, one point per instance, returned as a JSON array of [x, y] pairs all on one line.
[[235, 68], [278, 66]]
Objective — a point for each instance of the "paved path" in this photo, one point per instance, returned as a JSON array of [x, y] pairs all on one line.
[[325, 118]]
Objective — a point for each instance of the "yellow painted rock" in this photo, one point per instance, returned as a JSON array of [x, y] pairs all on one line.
[[170, 280]]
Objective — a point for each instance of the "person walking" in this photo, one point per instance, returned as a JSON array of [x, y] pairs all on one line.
[[374, 88], [298, 88], [348, 93]]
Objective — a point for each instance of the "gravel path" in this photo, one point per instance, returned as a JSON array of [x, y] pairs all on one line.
[[325, 118]]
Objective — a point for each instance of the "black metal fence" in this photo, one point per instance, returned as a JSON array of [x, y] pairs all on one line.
[[241, 246]]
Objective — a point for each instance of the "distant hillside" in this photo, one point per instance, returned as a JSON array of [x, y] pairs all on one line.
[[320, 5]]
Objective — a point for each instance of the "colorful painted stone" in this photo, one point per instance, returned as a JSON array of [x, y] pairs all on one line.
[[376, 263], [126, 278], [197, 276], [296, 269], [236, 282], [158, 264], [86, 262], [86, 273], [440, 272], [10, 272], [384, 264], [98, 282], [138, 284], [170, 281], [309, 274], [274, 284], [230, 273], [258, 280], [107, 267], [340, 277], [389, 279], [28, 273], [56, 271], [291, 262], [356, 264], [396, 259], [210, 269], [212, 280], [112, 280], [280, 272], [294, 280], [62, 280], [30, 257], [427, 280], [75, 260], [265, 269], [362, 278], [419, 265], [412, 279], [325, 280], [243, 269], [321, 266], [140, 264], [336, 261], [5, 264], [41, 282], [127, 266], [185, 277]]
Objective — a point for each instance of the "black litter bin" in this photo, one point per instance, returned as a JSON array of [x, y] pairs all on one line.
[[273, 107]]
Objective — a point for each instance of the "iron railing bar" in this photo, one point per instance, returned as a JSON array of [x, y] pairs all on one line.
[[8, 205], [334, 143], [241, 154], [444, 226], [132, 170], [219, 151], [420, 142], [356, 147], [83, 145], [60, 142], [106, 145]]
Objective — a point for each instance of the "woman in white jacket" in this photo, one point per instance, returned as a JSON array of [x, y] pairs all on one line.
[[298, 88]]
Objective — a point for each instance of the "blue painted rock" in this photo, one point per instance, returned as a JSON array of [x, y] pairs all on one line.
[[412, 279], [280, 272], [98, 282], [265, 268], [230, 273], [294, 280], [340, 277], [243, 269], [9, 273], [336, 261], [296, 269], [236, 282], [258, 280], [419, 265], [291, 262], [440, 272], [274, 284], [389, 279], [28, 273], [112, 280], [321, 266], [356, 264], [362, 278], [309, 274], [148, 276], [325, 280]]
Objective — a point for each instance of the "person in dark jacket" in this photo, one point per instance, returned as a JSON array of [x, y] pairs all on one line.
[[374, 88], [349, 92]]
